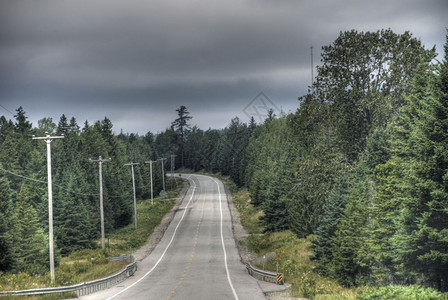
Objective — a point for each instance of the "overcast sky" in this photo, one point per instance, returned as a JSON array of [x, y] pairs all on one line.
[[137, 61]]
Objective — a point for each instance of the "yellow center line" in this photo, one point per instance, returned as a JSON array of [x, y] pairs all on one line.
[[193, 252]]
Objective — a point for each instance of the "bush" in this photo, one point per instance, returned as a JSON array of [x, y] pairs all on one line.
[[397, 292]]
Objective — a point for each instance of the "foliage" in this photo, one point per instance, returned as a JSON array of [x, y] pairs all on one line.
[[401, 293]]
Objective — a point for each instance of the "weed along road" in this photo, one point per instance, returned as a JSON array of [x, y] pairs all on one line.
[[197, 257]]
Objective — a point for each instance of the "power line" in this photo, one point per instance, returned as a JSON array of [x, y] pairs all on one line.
[[56, 185], [24, 177], [6, 109]]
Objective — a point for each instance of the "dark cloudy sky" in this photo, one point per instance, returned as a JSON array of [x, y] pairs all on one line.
[[136, 61]]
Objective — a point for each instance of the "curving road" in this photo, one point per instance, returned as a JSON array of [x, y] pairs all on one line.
[[197, 257]]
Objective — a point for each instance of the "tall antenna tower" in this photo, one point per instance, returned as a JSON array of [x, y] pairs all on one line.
[[312, 71]]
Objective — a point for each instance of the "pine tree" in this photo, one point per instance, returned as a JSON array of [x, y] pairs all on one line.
[[6, 128], [30, 243], [73, 220], [182, 127], [22, 125], [346, 265], [332, 210]]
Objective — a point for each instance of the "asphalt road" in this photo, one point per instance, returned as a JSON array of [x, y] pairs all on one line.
[[197, 257]]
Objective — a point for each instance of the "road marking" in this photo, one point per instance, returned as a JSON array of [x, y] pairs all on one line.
[[223, 246], [166, 249], [182, 277]]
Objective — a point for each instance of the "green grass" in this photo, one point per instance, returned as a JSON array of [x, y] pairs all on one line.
[[90, 264], [67, 295], [398, 292]]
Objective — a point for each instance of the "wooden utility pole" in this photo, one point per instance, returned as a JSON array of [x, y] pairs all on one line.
[[100, 164], [163, 172], [172, 165], [150, 174], [48, 140], [133, 185]]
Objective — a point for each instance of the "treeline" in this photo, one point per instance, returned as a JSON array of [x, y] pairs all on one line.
[[362, 164], [23, 187]]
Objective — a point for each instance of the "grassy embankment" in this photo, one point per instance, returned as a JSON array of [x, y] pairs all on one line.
[[294, 261], [90, 264]]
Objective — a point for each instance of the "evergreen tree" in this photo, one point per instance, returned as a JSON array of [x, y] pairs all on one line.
[[346, 265], [271, 179], [74, 127], [182, 127], [73, 223], [329, 220], [22, 125], [6, 128], [30, 243], [63, 127]]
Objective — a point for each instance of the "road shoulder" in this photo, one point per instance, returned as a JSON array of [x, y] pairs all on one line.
[[272, 291], [159, 231]]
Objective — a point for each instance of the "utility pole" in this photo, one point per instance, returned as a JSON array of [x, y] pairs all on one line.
[[150, 173], [172, 165], [163, 173], [133, 185], [48, 140], [100, 163]]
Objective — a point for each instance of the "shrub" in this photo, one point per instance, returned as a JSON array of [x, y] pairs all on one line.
[[397, 292]]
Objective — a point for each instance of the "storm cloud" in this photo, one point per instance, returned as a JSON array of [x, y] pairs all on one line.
[[137, 61]]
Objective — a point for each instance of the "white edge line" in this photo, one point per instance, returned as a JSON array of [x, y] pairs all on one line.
[[223, 246], [163, 254]]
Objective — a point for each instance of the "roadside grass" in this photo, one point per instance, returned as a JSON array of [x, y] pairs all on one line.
[[90, 264]]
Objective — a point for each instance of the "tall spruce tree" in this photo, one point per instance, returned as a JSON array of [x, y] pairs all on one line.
[[346, 266], [30, 243], [182, 127], [329, 220]]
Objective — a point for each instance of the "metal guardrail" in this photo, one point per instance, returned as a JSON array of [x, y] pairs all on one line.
[[86, 288], [277, 278], [123, 257]]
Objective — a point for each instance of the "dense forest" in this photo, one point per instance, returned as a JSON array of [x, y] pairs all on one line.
[[23, 187], [361, 165]]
